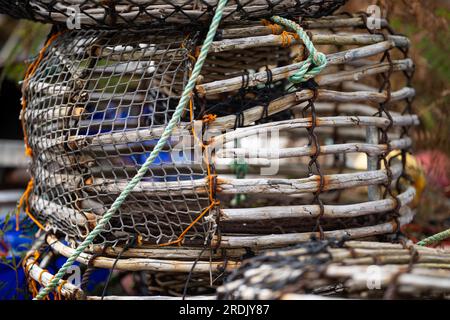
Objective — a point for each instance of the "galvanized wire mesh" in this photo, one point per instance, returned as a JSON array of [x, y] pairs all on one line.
[[138, 13], [90, 92], [95, 107]]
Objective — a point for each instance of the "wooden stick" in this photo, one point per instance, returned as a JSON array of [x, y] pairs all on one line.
[[259, 30], [313, 211], [249, 186], [82, 221], [226, 122], [260, 78], [358, 109], [374, 192], [43, 277], [271, 154], [142, 264], [349, 267], [340, 121], [56, 112], [278, 240], [40, 87], [358, 277], [290, 102], [388, 246], [317, 39], [118, 138], [171, 253]]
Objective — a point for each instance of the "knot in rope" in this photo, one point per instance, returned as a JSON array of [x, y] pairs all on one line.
[[275, 28], [208, 118], [316, 60]]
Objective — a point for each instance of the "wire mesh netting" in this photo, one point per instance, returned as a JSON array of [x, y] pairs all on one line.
[[96, 106], [97, 102], [135, 13]]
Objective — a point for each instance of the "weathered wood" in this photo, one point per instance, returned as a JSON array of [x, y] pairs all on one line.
[[421, 279], [260, 30], [358, 109], [40, 87], [55, 112], [292, 101], [171, 253], [317, 39], [260, 78], [395, 258], [389, 246], [48, 210], [138, 135], [373, 161], [43, 277], [313, 211], [340, 121], [251, 115], [68, 290], [278, 240], [305, 185], [142, 264], [282, 153], [345, 271], [250, 186]]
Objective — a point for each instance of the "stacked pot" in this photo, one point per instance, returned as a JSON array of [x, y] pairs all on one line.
[[262, 157]]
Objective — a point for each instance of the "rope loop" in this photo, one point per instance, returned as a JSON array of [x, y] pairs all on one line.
[[316, 60]]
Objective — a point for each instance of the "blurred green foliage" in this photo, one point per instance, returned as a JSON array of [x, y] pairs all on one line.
[[24, 39]]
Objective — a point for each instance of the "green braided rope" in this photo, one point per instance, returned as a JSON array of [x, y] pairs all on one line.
[[142, 171], [435, 238], [316, 58]]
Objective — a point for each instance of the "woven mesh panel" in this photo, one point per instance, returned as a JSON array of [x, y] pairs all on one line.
[[96, 106], [93, 13], [96, 98]]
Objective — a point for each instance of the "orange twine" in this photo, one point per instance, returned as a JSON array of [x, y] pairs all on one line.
[[25, 200], [28, 74], [213, 202], [30, 281], [208, 118], [286, 38], [274, 28], [33, 288], [59, 290], [28, 151], [40, 275]]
